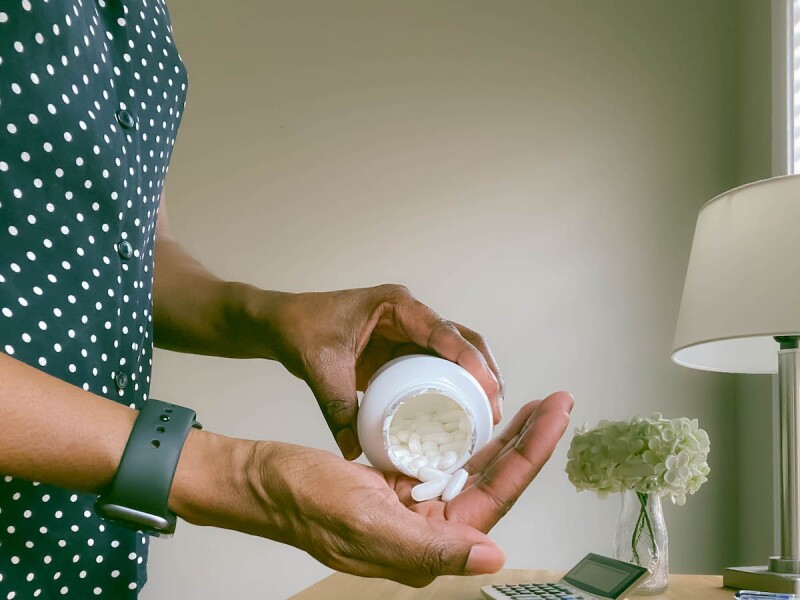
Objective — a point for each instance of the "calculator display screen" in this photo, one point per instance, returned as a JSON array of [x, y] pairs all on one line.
[[603, 576]]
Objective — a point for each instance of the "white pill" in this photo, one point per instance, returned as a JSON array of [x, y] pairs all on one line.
[[429, 489], [459, 436], [464, 424], [416, 463], [433, 460], [451, 447], [454, 485], [426, 427], [450, 415], [428, 473], [451, 426], [430, 447], [439, 438], [393, 440], [414, 444], [403, 435], [400, 451], [448, 460], [422, 417]]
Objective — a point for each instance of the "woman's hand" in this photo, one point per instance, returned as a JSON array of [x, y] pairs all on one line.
[[360, 521], [335, 341]]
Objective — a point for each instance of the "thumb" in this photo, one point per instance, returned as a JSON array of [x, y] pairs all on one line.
[[334, 387], [447, 548]]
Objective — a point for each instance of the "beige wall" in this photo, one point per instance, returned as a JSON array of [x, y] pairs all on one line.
[[531, 168]]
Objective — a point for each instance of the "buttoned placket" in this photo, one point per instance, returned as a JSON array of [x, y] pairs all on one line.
[[128, 238]]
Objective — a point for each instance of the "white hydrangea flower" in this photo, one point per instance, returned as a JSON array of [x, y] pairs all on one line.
[[656, 455]]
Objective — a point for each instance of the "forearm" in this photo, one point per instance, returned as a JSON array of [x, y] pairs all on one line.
[[195, 311], [56, 433]]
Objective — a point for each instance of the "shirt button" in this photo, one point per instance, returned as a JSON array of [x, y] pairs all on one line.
[[125, 119], [125, 249], [121, 380]]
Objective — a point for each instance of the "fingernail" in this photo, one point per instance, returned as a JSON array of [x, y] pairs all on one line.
[[348, 443], [483, 559]]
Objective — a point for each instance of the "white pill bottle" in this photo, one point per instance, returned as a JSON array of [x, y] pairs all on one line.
[[422, 411]]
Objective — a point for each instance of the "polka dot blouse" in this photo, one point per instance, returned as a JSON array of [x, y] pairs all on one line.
[[91, 96]]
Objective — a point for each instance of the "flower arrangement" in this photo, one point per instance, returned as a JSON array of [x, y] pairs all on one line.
[[667, 457], [650, 457]]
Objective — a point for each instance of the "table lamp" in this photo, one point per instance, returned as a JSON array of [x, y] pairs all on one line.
[[740, 313]]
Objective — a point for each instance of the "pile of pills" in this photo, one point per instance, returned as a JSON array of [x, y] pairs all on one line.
[[427, 438]]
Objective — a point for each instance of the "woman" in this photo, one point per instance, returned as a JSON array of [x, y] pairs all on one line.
[[91, 97]]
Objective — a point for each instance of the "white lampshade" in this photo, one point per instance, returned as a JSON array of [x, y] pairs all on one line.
[[743, 281]]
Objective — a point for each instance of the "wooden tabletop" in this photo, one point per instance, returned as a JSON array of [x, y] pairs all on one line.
[[347, 587]]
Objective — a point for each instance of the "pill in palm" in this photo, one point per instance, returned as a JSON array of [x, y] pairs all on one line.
[[454, 485], [429, 489]]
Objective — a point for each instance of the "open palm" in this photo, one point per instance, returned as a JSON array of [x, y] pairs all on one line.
[[356, 519]]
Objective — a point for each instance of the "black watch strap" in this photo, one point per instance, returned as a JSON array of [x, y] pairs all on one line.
[[137, 498]]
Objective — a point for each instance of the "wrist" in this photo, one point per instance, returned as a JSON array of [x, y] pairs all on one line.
[[208, 474], [253, 315], [218, 483]]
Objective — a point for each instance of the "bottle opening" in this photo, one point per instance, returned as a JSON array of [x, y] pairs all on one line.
[[428, 430]]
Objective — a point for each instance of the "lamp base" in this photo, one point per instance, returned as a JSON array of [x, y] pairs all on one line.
[[761, 579]]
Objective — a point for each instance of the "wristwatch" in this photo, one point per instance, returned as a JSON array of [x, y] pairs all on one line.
[[137, 497]]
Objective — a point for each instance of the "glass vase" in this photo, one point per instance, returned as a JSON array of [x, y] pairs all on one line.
[[641, 539]]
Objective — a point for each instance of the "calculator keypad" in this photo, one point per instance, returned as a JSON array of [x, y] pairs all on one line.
[[537, 591]]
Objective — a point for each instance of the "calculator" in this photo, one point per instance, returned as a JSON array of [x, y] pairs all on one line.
[[595, 577]]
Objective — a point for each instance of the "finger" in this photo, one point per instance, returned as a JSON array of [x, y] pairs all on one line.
[[427, 329], [334, 387], [433, 547], [477, 340], [496, 445], [499, 485]]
